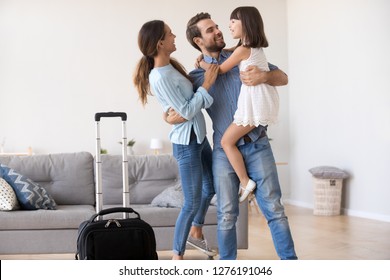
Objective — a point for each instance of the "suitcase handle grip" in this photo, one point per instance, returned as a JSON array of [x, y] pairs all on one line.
[[115, 210], [122, 115]]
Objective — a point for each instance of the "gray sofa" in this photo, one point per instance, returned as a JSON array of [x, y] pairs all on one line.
[[69, 179]]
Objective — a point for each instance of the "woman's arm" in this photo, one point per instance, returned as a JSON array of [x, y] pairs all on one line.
[[172, 96], [181, 97], [172, 117]]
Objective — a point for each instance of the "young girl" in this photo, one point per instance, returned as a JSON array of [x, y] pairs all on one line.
[[157, 72], [257, 105]]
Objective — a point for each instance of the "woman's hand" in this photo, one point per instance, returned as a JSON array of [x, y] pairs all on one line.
[[210, 75], [172, 117]]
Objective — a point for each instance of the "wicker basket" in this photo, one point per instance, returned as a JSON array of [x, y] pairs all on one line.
[[327, 196]]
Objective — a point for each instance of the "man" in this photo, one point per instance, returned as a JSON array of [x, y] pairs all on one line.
[[204, 35]]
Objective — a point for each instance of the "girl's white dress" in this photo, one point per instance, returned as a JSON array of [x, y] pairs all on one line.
[[257, 105]]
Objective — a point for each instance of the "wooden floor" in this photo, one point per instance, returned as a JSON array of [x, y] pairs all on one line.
[[322, 237], [315, 237]]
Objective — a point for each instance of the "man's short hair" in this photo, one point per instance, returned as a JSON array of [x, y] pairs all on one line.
[[193, 30]]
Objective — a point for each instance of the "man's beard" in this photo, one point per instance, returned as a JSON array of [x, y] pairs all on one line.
[[215, 47]]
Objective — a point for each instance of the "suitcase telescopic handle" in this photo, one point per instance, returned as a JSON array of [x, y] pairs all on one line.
[[122, 115], [98, 161], [115, 210]]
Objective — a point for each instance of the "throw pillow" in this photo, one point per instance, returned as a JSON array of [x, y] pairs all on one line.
[[328, 172], [170, 197], [8, 200], [30, 195]]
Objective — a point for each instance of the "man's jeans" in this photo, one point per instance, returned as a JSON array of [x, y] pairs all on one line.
[[194, 162], [261, 168]]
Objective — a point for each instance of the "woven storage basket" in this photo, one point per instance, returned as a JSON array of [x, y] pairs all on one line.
[[327, 196]]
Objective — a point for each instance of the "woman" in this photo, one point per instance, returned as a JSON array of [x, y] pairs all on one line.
[[163, 76]]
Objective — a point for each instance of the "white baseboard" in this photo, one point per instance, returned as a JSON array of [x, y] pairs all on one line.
[[347, 212], [298, 203], [361, 214]]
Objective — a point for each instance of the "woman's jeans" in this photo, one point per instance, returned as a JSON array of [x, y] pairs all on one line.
[[261, 168], [195, 162]]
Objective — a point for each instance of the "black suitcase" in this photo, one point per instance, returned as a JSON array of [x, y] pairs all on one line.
[[115, 239]]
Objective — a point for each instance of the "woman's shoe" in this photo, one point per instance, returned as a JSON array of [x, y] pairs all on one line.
[[201, 244], [247, 190]]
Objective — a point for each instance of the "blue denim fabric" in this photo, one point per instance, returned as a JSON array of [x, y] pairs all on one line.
[[195, 163], [222, 110], [260, 164]]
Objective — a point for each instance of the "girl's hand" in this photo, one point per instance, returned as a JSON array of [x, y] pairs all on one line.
[[198, 60], [204, 65]]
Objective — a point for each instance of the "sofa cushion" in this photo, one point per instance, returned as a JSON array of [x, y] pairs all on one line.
[[328, 172], [31, 196], [162, 216], [65, 217], [170, 197], [8, 200], [68, 177], [148, 175]]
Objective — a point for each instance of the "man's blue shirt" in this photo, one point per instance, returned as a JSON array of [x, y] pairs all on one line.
[[225, 92]]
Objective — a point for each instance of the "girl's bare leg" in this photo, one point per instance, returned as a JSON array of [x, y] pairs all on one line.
[[229, 139]]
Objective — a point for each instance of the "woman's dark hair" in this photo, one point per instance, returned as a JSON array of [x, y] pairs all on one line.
[[148, 37]]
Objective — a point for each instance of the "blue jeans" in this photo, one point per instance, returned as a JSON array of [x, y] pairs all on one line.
[[195, 168], [261, 168]]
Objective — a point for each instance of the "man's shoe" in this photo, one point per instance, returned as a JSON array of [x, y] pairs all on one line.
[[201, 244]]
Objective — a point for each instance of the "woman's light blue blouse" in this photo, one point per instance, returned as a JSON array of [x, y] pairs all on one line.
[[173, 90]]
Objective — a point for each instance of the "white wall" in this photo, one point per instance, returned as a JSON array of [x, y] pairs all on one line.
[[339, 99], [61, 61]]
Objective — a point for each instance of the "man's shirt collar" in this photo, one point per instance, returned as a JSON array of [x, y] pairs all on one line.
[[212, 60]]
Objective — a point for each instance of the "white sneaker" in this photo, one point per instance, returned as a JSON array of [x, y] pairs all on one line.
[[247, 190]]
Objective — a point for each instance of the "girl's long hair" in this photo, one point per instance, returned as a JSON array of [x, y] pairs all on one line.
[[252, 27]]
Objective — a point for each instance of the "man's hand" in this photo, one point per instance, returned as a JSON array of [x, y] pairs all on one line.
[[254, 76], [172, 117]]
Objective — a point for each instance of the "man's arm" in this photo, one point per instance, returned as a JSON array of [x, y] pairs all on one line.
[[254, 76]]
